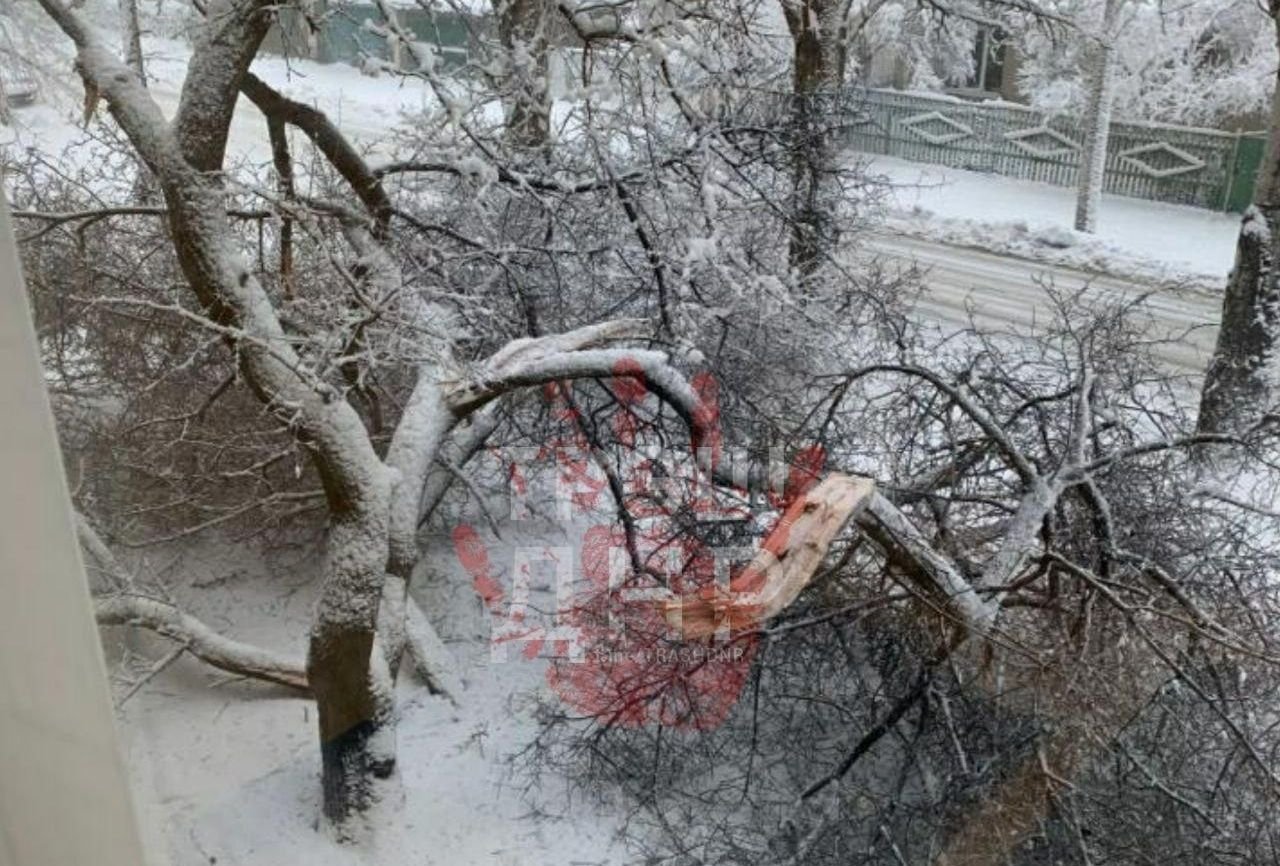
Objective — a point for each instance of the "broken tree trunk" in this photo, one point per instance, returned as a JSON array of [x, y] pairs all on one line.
[[787, 561]]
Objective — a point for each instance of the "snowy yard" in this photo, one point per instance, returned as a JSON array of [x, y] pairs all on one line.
[[227, 771], [365, 107]]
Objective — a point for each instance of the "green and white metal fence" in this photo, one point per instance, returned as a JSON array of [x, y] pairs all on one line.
[[335, 32], [1183, 165]]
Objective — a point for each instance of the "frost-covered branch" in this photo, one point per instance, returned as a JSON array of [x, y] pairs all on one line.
[[989, 425], [125, 605], [932, 572], [223, 50], [201, 641], [329, 140], [466, 440], [86, 218]]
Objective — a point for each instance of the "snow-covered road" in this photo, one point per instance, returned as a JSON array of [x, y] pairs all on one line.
[[1010, 293]]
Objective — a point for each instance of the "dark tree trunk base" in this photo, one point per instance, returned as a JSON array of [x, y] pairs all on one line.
[[352, 767]]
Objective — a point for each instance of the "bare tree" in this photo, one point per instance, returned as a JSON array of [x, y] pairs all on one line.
[[372, 471]]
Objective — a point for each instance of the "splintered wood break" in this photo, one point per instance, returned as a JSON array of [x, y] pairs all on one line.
[[784, 565]]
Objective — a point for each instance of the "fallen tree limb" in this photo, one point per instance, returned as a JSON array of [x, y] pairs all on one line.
[[785, 564], [201, 641], [432, 660], [909, 550], [126, 606]]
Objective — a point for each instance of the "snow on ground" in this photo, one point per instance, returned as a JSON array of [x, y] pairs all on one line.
[[1135, 237], [365, 107], [227, 771]]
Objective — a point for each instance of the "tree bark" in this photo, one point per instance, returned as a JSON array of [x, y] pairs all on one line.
[[1240, 384], [350, 681], [816, 77], [133, 38], [223, 51], [1097, 121], [522, 31], [283, 162]]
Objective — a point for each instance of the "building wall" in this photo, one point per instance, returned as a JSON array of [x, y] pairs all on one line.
[[64, 794]]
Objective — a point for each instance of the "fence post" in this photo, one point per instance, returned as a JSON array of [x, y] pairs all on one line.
[[1231, 172]]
